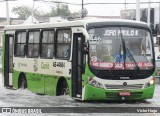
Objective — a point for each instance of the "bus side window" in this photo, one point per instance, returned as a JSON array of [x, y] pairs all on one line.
[[33, 44], [20, 44], [30, 50], [63, 44], [47, 50]]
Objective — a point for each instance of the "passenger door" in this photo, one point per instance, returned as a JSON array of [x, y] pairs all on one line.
[[77, 65], [8, 60]]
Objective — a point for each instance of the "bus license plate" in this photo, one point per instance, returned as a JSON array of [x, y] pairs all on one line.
[[124, 93]]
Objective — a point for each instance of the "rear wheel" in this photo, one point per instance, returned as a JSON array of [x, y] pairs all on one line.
[[64, 88], [22, 84]]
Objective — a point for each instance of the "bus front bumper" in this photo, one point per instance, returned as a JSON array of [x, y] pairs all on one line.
[[93, 93]]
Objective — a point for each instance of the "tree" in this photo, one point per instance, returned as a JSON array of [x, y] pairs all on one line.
[[23, 12], [62, 10]]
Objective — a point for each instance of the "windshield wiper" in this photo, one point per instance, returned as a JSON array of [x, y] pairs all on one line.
[[130, 56], [125, 49]]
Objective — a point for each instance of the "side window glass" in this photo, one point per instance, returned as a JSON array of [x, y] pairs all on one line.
[[63, 44], [20, 44], [47, 50], [33, 44]]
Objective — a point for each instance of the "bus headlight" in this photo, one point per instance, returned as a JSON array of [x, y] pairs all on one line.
[[94, 83], [150, 83]]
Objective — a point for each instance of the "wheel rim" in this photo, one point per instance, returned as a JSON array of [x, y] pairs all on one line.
[[65, 91]]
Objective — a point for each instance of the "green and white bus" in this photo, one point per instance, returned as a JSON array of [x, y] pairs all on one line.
[[90, 59]]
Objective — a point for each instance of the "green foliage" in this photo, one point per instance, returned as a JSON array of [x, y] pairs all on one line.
[[24, 12], [62, 10]]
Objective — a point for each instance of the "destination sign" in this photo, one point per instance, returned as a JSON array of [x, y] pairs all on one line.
[[129, 33], [121, 65]]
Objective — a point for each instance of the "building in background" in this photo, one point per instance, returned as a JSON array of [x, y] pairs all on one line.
[[154, 21], [131, 14]]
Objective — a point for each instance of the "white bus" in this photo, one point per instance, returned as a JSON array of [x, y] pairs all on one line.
[[90, 59]]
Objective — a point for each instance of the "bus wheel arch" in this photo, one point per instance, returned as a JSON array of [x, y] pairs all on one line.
[[22, 81], [62, 87]]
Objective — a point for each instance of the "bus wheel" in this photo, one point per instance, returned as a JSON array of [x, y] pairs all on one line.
[[22, 82], [64, 88]]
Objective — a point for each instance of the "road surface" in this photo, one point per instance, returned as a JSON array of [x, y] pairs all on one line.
[[25, 98]]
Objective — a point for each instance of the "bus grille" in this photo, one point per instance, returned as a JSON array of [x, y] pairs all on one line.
[[134, 86]]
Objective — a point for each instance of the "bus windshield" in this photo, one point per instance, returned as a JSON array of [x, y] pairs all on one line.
[[120, 48]]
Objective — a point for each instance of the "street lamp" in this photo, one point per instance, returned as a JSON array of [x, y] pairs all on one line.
[[84, 12]]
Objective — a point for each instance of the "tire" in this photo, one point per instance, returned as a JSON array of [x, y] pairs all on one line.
[[64, 88], [22, 83]]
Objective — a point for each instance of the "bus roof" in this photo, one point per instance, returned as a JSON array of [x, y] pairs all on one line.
[[75, 23]]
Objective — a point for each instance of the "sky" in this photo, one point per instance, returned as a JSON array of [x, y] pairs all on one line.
[[100, 10]]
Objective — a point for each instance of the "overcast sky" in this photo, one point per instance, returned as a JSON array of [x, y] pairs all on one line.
[[102, 10]]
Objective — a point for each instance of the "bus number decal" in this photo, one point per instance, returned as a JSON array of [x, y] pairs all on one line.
[[59, 64], [95, 38]]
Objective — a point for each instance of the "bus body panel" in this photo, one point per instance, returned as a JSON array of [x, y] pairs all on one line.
[[39, 83]]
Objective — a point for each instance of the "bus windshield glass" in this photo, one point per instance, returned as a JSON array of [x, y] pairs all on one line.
[[120, 48]]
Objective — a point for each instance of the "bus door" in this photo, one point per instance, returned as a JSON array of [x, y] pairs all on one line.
[[77, 65], [8, 59]]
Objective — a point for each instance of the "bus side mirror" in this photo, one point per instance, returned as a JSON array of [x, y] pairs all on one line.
[[85, 48]]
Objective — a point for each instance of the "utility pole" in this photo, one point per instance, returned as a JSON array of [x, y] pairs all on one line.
[[82, 5], [82, 9], [138, 10], [149, 9], [125, 5], [84, 12], [7, 13], [33, 11]]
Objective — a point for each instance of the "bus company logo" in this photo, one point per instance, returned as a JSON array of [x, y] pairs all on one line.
[[44, 65], [125, 84]]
